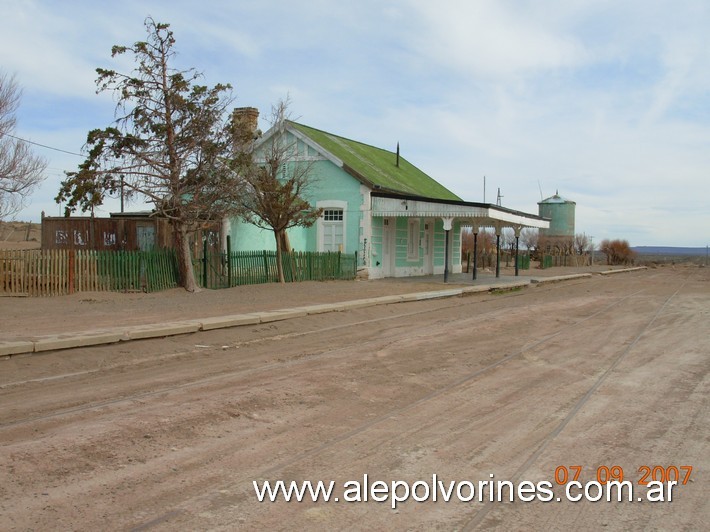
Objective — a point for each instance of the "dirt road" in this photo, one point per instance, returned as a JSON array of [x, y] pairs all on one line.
[[171, 434]]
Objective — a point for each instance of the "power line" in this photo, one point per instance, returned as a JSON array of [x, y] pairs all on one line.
[[44, 145]]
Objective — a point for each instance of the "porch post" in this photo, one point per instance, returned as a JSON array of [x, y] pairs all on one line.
[[475, 252], [447, 229], [517, 246], [517, 239], [497, 252], [446, 256]]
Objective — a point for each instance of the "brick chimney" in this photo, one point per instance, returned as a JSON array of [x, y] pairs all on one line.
[[245, 127], [247, 116]]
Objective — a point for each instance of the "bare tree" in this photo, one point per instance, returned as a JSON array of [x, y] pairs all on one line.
[[277, 184], [581, 243], [466, 241], [171, 144], [507, 237], [486, 247], [529, 238], [20, 170]]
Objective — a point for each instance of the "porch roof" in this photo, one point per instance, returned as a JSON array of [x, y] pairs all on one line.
[[386, 204]]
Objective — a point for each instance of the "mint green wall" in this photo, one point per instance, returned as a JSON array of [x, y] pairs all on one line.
[[248, 237], [440, 243], [401, 243], [328, 182], [333, 183], [298, 238]]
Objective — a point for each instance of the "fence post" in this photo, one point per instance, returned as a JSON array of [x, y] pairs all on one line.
[[229, 261], [204, 263], [71, 270], [267, 278]]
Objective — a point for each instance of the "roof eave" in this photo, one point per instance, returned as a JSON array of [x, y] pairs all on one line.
[[481, 213]]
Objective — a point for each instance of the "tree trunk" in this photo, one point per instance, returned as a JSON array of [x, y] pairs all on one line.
[[285, 243], [279, 265], [184, 258], [286, 248]]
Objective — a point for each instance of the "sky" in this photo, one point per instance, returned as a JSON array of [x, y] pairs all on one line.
[[605, 101]]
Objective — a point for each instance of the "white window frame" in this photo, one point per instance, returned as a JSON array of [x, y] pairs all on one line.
[[328, 205]]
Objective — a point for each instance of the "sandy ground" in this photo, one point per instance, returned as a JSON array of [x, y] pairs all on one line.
[[26, 317], [171, 433], [20, 235]]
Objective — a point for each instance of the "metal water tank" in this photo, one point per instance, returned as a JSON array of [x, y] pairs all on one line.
[[560, 211]]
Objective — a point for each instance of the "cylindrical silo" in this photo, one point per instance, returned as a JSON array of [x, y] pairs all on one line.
[[560, 211]]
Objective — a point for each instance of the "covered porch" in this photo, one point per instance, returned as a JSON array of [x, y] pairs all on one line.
[[420, 220]]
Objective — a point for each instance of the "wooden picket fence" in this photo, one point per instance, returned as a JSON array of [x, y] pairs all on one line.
[[57, 272], [33, 272]]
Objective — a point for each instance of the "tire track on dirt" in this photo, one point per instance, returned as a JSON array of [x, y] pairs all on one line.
[[453, 386], [242, 372], [385, 339], [478, 518], [446, 389]]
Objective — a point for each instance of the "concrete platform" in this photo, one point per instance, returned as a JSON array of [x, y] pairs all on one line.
[[319, 309], [509, 286], [163, 329], [67, 341], [16, 347], [223, 322], [624, 270], [434, 294], [278, 315], [558, 278], [360, 303]]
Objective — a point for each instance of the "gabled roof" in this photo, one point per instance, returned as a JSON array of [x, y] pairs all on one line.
[[375, 167]]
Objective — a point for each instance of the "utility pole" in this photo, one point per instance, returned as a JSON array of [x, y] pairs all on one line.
[[122, 185], [591, 243]]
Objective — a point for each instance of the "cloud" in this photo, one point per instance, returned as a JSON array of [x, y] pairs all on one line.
[[29, 48], [491, 39], [607, 101]]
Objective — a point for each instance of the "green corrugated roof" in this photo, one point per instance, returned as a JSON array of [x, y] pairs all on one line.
[[377, 167]]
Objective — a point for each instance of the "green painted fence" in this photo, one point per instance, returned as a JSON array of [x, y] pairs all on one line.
[[524, 262], [149, 271], [222, 270], [57, 272]]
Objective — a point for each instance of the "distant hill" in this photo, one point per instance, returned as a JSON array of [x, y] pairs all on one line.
[[669, 250], [20, 235]]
